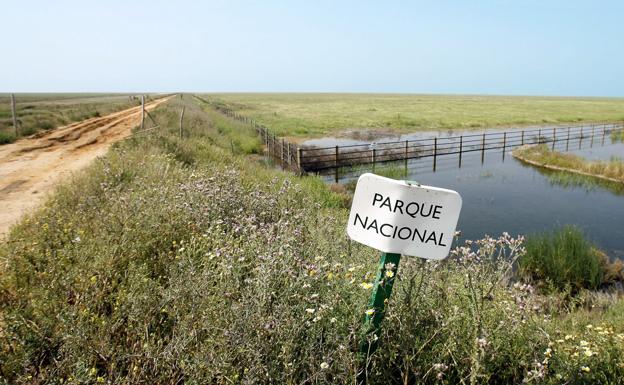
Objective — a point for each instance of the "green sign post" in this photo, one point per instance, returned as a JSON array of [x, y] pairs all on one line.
[[382, 289], [398, 218]]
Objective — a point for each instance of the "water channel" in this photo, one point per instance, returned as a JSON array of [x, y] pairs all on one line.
[[504, 194]]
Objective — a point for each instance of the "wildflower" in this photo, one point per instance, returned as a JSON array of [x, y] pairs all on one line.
[[366, 285], [585, 369], [324, 365], [390, 266], [317, 318], [584, 343], [482, 342], [389, 273], [588, 353], [315, 295], [310, 311], [333, 320], [370, 312], [352, 269], [590, 326], [93, 279], [568, 337]]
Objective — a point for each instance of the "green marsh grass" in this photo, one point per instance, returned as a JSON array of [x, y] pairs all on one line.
[[180, 260], [307, 115], [613, 168]]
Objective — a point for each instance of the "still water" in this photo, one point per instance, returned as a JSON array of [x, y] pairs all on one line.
[[503, 194]]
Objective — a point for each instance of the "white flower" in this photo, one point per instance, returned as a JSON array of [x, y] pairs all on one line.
[[324, 365], [310, 311]]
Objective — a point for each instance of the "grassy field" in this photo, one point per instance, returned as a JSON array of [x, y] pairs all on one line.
[[317, 115], [37, 112], [611, 170], [193, 260]]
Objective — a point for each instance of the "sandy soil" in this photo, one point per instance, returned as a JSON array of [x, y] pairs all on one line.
[[31, 167]]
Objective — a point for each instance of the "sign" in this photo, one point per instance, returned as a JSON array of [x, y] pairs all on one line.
[[403, 218]]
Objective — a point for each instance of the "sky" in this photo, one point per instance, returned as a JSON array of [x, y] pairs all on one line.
[[521, 47]]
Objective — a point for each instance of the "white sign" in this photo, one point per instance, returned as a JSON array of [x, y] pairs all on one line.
[[398, 217]]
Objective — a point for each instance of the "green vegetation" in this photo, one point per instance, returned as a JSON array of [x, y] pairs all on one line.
[[566, 260], [187, 260], [617, 135], [318, 115], [40, 112], [541, 155]]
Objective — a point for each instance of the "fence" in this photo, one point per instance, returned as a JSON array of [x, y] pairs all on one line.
[[317, 159], [284, 152], [314, 159]]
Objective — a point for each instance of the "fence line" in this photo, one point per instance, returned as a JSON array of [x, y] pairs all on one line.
[[316, 159], [292, 156]]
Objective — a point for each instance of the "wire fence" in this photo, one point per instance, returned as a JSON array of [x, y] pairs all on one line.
[[317, 159], [313, 159]]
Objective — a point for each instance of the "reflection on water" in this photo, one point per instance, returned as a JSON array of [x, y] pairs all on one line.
[[503, 194]]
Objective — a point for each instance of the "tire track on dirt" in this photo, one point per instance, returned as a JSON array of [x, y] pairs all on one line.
[[30, 168]]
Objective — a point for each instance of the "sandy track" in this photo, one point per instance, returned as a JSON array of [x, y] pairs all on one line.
[[31, 167]]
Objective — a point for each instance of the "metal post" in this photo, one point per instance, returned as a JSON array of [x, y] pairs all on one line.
[[591, 144], [581, 138], [14, 115], [336, 164], [568, 140], [435, 152], [374, 159], [461, 145], [406, 152], [483, 149], [504, 144], [382, 289]]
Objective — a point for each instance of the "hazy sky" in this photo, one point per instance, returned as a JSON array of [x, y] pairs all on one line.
[[534, 47]]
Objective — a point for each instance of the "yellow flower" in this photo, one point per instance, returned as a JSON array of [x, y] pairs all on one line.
[[366, 285], [585, 369], [370, 312], [389, 273], [93, 279]]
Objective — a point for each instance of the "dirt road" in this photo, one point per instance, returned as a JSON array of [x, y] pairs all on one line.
[[31, 167]]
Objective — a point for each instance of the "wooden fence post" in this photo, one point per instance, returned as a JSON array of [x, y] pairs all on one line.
[[554, 138], [142, 111], [522, 140], [539, 136], [299, 151], [181, 117], [14, 115]]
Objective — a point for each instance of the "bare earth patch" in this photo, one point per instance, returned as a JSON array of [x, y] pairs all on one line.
[[31, 167]]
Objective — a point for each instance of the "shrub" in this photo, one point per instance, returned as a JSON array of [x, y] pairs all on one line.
[[6, 137]]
